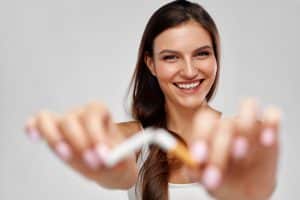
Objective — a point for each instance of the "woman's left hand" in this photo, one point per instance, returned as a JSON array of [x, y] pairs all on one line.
[[237, 156]]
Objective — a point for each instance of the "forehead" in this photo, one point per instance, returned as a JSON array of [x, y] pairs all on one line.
[[184, 37]]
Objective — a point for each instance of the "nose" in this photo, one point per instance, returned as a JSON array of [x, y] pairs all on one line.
[[189, 71]]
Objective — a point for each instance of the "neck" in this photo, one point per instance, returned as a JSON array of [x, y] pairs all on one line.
[[179, 119]]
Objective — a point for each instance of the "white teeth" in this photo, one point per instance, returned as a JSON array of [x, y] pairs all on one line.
[[188, 86]]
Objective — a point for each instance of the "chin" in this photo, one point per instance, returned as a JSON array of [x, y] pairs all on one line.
[[191, 103]]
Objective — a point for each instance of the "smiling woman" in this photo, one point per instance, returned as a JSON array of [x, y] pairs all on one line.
[[185, 58], [176, 77], [178, 68]]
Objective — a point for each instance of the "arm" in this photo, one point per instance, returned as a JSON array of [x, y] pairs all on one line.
[[81, 136]]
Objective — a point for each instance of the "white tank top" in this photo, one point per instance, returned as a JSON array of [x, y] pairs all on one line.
[[190, 191]]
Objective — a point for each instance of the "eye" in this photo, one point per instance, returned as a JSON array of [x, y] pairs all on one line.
[[203, 53], [169, 57]]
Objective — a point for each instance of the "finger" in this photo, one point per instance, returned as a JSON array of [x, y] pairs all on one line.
[[96, 132], [88, 153], [271, 123], [95, 121], [202, 130], [31, 130], [220, 151], [46, 124], [74, 133], [249, 113], [106, 122], [240, 148], [247, 128]]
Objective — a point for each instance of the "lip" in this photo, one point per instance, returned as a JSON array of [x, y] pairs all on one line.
[[188, 82], [190, 91]]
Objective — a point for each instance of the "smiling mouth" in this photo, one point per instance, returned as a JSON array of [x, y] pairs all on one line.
[[190, 85]]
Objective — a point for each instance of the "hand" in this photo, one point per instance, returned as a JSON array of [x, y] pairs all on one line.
[[237, 156], [82, 138]]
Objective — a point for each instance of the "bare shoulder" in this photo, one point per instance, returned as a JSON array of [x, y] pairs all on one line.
[[129, 128]]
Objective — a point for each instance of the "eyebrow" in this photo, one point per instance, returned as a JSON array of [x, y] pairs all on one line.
[[198, 49]]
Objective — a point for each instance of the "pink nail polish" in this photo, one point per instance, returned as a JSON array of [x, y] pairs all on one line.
[[63, 151], [240, 148], [267, 137], [33, 135], [102, 151], [199, 151], [211, 178], [91, 159]]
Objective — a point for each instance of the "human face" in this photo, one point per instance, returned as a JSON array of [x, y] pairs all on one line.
[[184, 64]]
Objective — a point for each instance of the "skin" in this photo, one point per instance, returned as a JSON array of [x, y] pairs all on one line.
[[238, 177], [82, 130], [251, 176], [187, 64]]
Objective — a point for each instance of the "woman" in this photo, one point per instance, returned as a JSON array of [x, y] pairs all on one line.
[[176, 76]]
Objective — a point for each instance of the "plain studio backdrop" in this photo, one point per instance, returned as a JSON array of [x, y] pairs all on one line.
[[59, 54]]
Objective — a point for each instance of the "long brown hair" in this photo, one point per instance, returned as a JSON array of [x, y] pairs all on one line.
[[148, 100]]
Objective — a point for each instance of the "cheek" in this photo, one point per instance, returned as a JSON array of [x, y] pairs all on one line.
[[165, 72], [209, 68]]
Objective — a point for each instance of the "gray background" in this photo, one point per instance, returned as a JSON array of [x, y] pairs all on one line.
[[59, 54]]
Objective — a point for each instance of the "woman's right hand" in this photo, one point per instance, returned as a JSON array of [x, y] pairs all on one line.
[[82, 138]]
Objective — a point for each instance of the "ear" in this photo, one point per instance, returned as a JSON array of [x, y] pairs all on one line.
[[150, 63]]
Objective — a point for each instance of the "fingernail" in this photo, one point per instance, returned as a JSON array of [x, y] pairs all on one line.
[[63, 151], [102, 151], [33, 135], [240, 148], [91, 159], [199, 151], [211, 178], [267, 137]]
